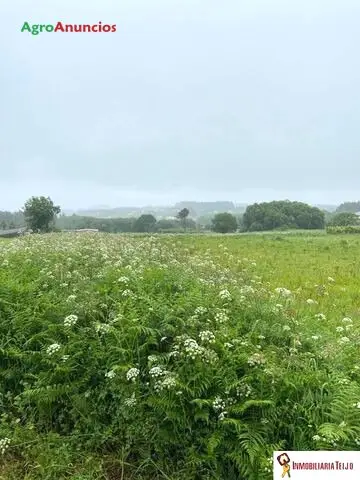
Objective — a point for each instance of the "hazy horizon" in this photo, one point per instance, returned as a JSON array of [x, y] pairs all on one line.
[[190, 99]]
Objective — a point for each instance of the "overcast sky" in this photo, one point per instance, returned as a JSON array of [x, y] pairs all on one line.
[[247, 101]]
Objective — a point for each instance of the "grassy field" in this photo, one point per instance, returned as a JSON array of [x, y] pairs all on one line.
[[175, 357]]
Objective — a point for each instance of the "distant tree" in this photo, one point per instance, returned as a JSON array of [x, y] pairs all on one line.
[[145, 223], [40, 213], [282, 214], [352, 207], [224, 223], [167, 224], [344, 219], [182, 216]]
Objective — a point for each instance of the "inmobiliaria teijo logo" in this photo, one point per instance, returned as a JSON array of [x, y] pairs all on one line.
[[35, 29]]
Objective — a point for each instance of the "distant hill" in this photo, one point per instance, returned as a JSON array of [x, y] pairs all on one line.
[[328, 208], [197, 209]]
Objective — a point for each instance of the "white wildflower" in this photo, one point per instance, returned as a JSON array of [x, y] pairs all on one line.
[[4, 444], [344, 340], [221, 317], [256, 359], [283, 292], [71, 298], [310, 301], [200, 310], [219, 404], [131, 401], [225, 294], [339, 329], [320, 316], [53, 348], [132, 374], [155, 372], [222, 416], [207, 336], [102, 328], [70, 320], [110, 374]]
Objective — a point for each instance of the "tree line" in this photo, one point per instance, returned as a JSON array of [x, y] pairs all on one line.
[[40, 214]]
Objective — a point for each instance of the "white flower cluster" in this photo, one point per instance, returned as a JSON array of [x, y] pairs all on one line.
[[123, 280], [200, 310], [207, 336], [70, 320], [256, 359], [193, 350], [225, 294], [132, 374], [310, 301], [167, 383], [320, 316], [357, 405], [344, 340], [247, 290], [221, 317], [71, 298], [110, 374], [243, 390], [53, 348], [4, 445], [131, 401], [156, 372], [346, 320], [128, 293], [102, 328], [219, 404], [269, 467], [283, 292]]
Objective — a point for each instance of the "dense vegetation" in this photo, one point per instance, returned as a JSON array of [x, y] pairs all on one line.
[[352, 207], [175, 357], [282, 214]]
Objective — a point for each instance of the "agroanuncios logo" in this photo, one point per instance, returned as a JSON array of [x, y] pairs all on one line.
[[35, 29]]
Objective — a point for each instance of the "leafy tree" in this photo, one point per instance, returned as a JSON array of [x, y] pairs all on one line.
[[40, 213], [282, 214], [145, 223], [182, 216], [224, 223], [344, 219]]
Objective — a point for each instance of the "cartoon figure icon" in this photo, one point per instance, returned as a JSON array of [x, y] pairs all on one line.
[[284, 461]]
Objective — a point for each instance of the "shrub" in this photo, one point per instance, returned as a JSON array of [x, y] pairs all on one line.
[[345, 229]]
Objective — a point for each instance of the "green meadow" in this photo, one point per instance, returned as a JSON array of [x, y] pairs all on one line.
[[176, 356]]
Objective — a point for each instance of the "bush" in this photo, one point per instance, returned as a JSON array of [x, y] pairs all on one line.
[[346, 229]]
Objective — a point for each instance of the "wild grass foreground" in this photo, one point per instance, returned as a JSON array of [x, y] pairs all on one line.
[[141, 358]]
